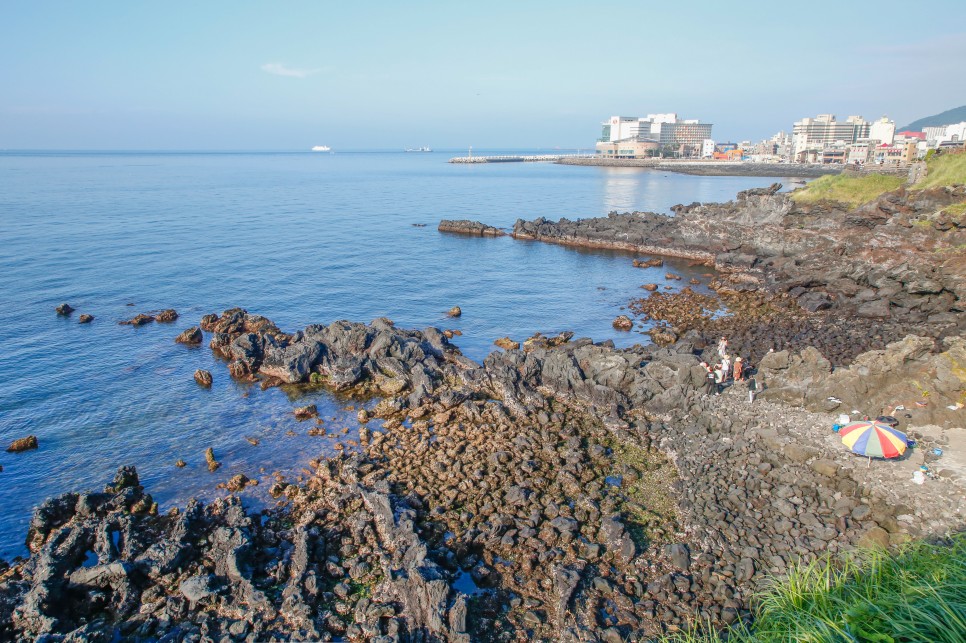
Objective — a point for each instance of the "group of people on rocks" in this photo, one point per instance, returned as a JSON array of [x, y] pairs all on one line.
[[725, 370]]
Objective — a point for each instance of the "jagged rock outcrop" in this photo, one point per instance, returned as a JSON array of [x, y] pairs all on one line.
[[910, 373], [465, 226], [898, 255]]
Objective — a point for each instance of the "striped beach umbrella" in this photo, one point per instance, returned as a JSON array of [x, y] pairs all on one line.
[[873, 439]]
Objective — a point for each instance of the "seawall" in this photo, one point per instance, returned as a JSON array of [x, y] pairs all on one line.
[[712, 168]]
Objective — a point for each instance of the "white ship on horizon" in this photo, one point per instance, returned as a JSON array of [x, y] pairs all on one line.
[[321, 148], [418, 149]]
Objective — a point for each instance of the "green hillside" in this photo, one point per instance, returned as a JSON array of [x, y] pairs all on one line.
[[955, 115]]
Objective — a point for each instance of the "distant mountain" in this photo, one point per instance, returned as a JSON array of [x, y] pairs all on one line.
[[950, 116]]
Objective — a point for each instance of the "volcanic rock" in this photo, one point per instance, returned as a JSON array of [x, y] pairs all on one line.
[[166, 316], [203, 378], [306, 412], [85, 319], [23, 444], [191, 335], [623, 322], [138, 320], [64, 309], [465, 226]]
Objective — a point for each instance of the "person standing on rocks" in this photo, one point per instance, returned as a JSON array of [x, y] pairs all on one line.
[[718, 379], [752, 389], [739, 370], [709, 383], [725, 367], [722, 347]]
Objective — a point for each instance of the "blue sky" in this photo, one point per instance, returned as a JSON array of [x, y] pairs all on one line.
[[289, 75]]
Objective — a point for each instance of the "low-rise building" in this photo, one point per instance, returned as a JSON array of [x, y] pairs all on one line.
[[707, 148], [629, 148]]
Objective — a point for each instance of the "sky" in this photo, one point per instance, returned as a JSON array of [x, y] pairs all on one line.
[[240, 75]]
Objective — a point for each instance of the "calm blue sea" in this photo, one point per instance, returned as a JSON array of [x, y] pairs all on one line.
[[298, 237]]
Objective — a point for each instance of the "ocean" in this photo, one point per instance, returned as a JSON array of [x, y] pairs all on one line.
[[298, 237]]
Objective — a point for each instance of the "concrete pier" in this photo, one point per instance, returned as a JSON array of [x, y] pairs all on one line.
[[539, 158]]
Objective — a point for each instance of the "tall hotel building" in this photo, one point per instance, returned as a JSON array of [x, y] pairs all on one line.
[[633, 136], [814, 134]]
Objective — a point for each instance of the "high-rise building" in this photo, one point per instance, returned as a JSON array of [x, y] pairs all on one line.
[[814, 134], [667, 131]]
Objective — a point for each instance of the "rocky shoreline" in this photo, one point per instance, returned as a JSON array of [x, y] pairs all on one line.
[[566, 491], [895, 257], [561, 490]]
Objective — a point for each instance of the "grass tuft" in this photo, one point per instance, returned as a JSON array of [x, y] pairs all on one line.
[[944, 169], [851, 190], [916, 593]]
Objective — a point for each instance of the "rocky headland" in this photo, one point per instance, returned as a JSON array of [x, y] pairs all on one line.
[[894, 257]]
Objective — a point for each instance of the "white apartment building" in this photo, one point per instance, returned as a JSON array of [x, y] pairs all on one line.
[[883, 130], [707, 148], [936, 136], [811, 135]]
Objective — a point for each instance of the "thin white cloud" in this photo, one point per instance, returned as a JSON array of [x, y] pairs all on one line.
[[281, 70]]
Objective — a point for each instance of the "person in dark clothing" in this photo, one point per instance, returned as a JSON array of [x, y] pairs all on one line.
[[710, 386]]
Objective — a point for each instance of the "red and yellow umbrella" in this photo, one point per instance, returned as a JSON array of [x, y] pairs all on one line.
[[874, 439]]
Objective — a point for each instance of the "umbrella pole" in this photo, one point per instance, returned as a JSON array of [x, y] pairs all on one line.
[[869, 466]]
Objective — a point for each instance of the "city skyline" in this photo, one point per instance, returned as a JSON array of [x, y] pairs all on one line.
[[256, 76]]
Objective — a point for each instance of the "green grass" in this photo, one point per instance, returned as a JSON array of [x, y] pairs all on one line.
[[851, 190], [916, 593], [944, 169]]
